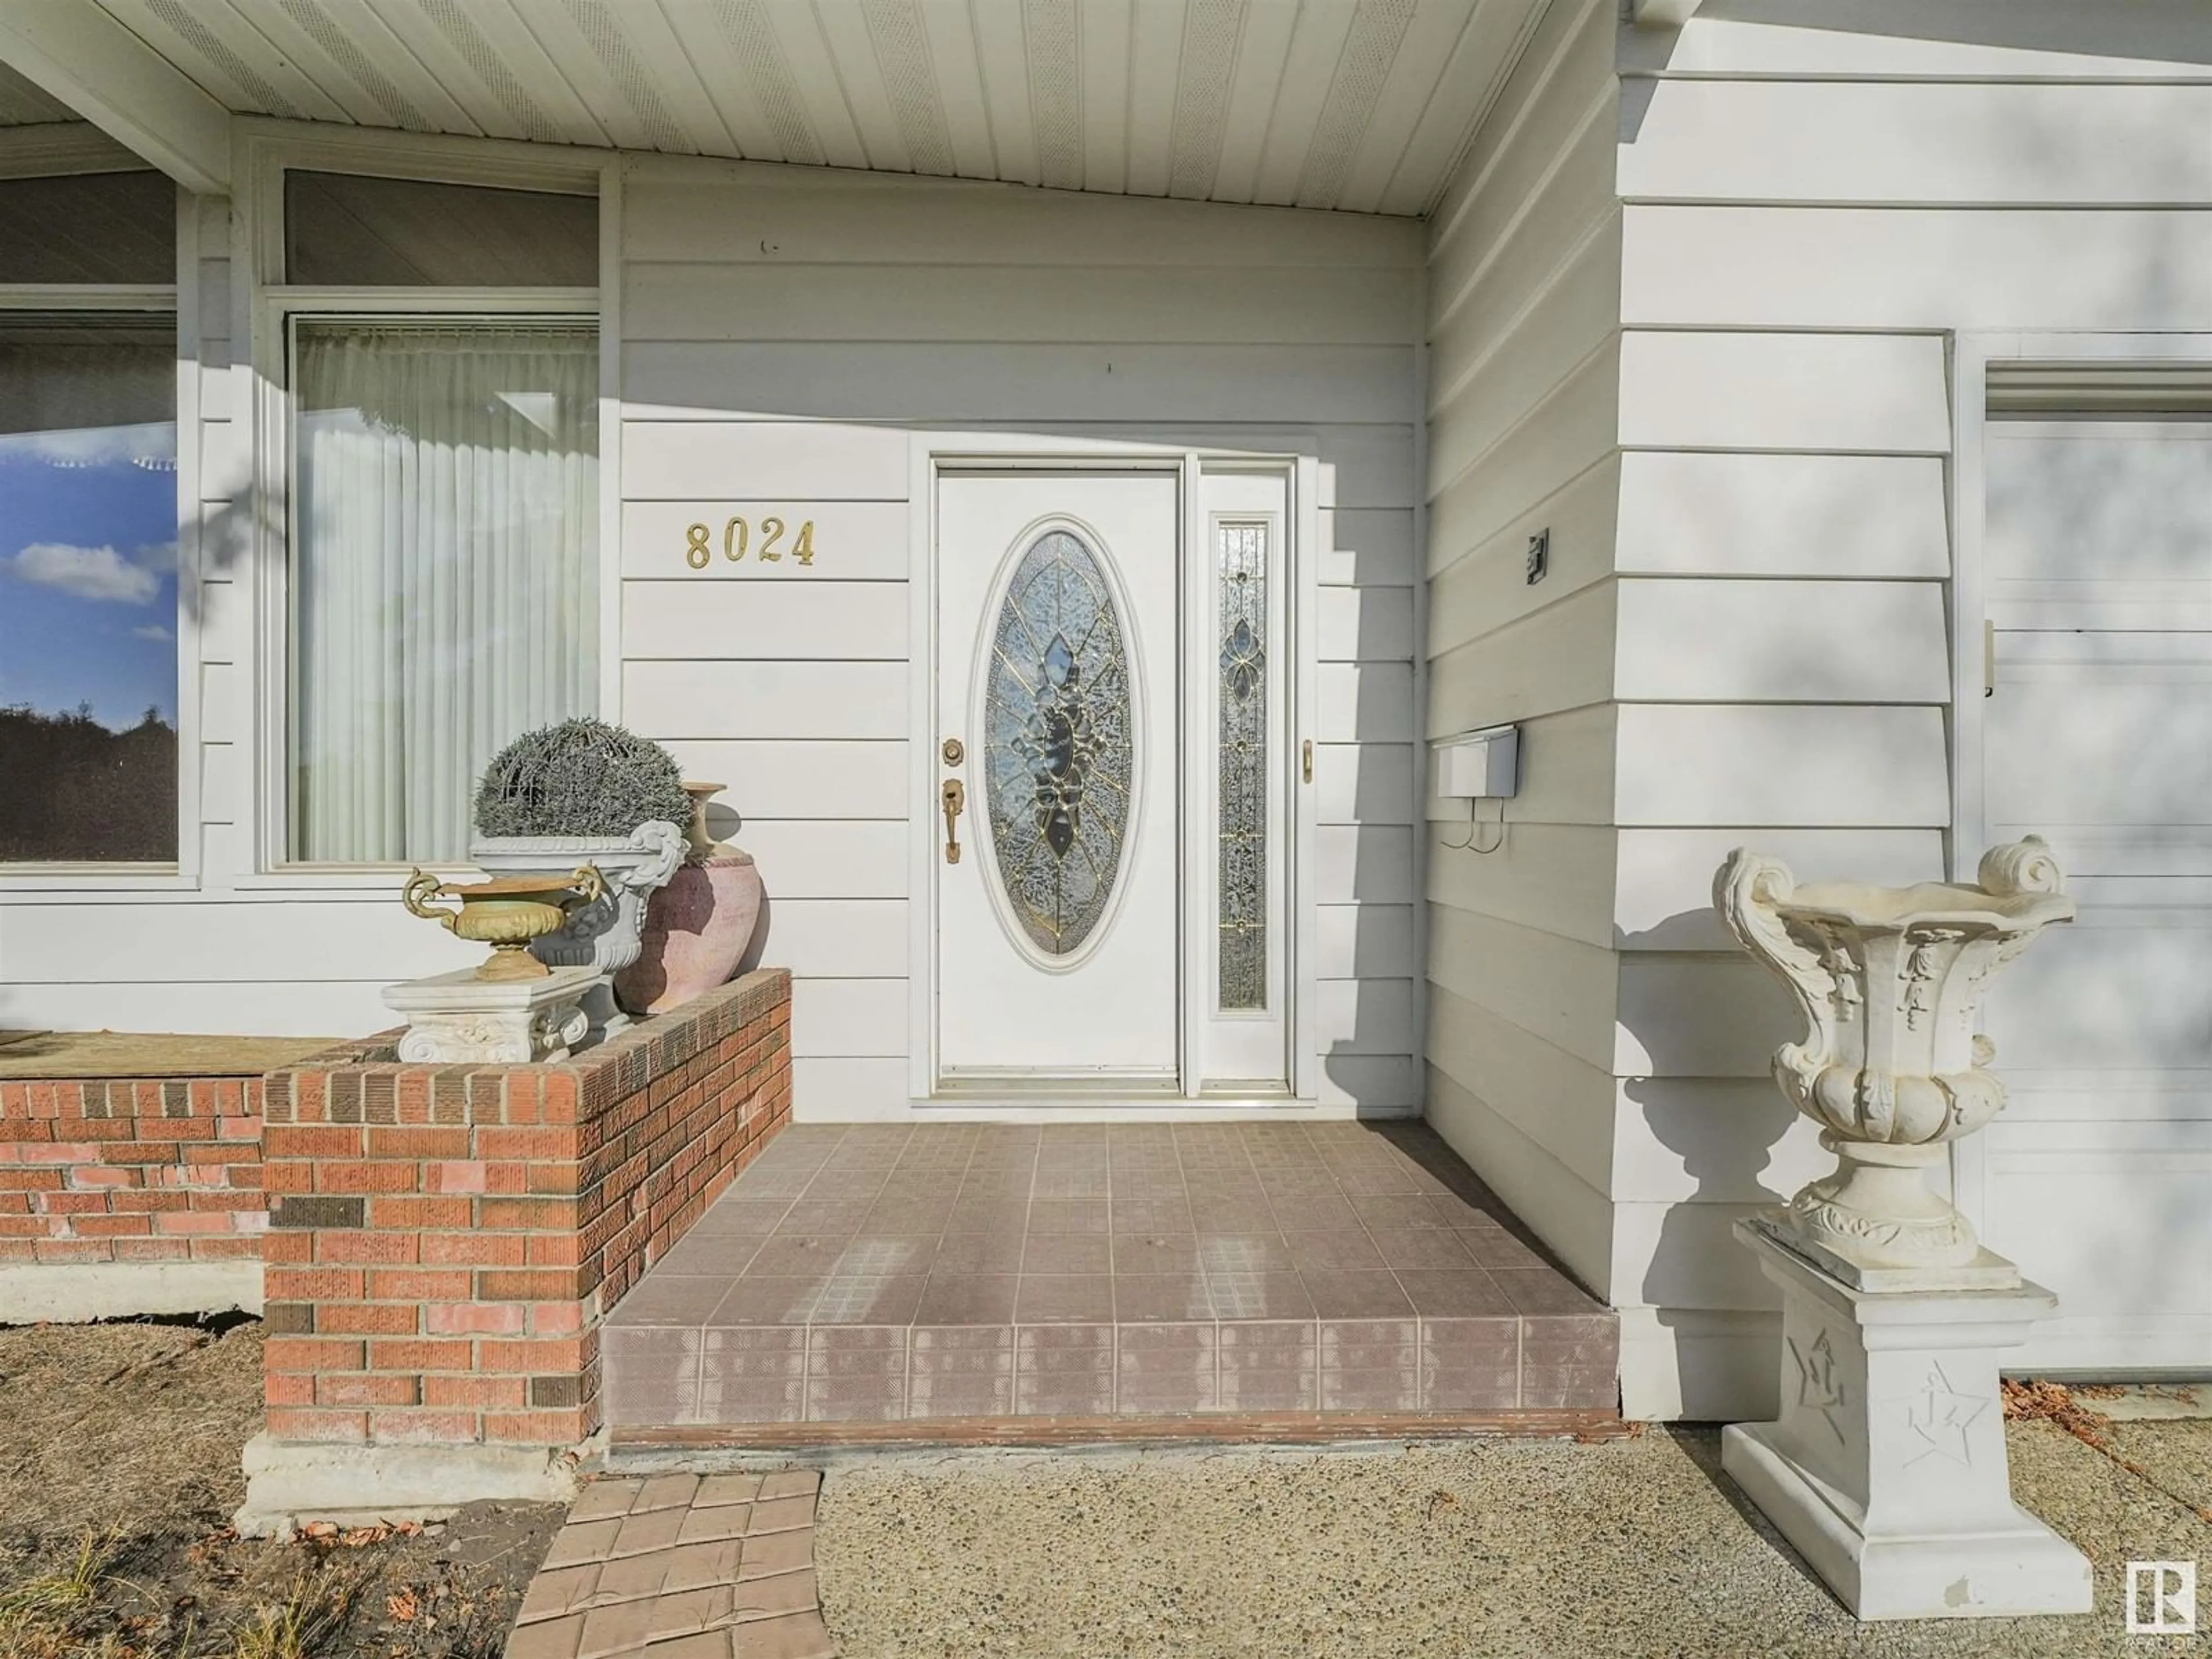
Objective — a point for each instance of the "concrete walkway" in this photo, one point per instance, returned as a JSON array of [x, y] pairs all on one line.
[[681, 1566], [1502, 1549], [1544, 1548]]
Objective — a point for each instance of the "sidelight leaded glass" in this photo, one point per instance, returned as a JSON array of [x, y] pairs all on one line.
[[1057, 727], [1242, 583]]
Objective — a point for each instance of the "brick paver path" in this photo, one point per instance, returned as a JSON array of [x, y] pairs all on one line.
[[681, 1566]]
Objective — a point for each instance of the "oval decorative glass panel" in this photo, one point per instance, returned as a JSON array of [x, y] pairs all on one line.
[[1058, 764]]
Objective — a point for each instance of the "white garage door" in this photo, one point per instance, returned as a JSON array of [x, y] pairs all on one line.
[[2097, 736]]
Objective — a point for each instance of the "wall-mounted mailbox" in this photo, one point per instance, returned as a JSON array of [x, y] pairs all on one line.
[[1478, 764]]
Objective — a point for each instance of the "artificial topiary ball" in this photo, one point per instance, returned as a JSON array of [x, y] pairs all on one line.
[[580, 778]]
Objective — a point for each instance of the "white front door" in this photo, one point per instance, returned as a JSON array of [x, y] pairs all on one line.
[[2097, 735], [1059, 961]]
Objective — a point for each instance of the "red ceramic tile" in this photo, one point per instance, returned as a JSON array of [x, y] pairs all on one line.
[[1269, 1296], [1356, 1295], [1151, 1297], [968, 1299], [1063, 1299], [1456, 1293]]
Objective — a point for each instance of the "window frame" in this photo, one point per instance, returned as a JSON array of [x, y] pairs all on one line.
[[258, 239], [481, 307], [44, 155]]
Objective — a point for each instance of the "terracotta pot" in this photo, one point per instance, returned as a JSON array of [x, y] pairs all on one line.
[[697, 929]]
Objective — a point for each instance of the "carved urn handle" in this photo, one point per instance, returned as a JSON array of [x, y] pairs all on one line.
[[422, 887]]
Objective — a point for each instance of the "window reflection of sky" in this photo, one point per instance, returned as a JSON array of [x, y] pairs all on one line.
[[88, 572]]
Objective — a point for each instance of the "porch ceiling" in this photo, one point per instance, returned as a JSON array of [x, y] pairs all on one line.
[[1358, 104]]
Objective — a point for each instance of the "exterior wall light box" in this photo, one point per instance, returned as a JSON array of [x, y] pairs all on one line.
[[1477, 765]]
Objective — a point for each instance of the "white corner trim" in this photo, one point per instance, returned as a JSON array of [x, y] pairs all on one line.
[[76, 52]]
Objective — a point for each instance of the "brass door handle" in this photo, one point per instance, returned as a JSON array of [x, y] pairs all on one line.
[[954, 796]]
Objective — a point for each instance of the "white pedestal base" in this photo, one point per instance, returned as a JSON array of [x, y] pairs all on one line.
[[1886, 1469], [457, 1019]]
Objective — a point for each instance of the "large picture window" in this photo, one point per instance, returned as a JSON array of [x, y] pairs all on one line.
[[444, 583], [87, 588]]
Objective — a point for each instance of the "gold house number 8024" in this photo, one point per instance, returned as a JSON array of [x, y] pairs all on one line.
[[737, 542]]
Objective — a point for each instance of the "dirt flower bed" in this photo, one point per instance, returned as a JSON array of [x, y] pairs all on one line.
[[119, 1472]]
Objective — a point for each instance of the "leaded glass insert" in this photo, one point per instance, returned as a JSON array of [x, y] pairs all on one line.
[[1058, 762], [1242, 583]]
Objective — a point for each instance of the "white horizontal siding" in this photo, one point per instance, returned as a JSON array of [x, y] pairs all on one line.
[[1793, 765], [728, 699], [1826, 516], [826, 778], [1559, 1100], [828, 858], [821, 620], [1556, 659], [1364, 782], [707, 453], [1744, 642], [692, 212], [1560, 879], [1662, 879], [932, 383], [2158, 39], [191, 940], [1927, 143], [1830, 393], [1525, 279], [782, 373], [1570, 1214], [863, 1018], [1291, 304], [1876, 268], [1808, 213], [1364, 941]]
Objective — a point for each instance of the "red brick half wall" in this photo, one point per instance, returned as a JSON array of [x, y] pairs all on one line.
[[148, 1169], [444, 1240]]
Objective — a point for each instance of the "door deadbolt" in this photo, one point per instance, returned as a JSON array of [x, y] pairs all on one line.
[[954, 751]]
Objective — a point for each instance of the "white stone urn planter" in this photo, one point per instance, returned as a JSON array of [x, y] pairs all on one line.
[[607, 935], [1886, 1467], [1890, 980]]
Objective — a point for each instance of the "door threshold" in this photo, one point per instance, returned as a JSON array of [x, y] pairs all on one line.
[[1045, 1085], [1119, 1109]]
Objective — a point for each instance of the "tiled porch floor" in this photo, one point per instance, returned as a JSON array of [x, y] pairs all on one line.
[[868, 1274]]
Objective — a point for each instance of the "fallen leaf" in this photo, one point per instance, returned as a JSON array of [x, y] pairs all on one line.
[[401, 1607]]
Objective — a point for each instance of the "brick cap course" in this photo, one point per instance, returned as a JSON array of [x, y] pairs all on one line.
[[658, 1043]]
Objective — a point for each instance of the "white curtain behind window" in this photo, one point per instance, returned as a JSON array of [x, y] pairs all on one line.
[[444, 576]]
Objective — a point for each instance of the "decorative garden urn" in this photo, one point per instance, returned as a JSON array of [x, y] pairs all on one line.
[[698, 926], [1890, 980]]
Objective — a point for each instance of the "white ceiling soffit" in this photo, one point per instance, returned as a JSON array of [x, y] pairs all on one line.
[[1361, 105]]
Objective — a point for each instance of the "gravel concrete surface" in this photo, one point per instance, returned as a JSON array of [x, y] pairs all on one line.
[[1629, 1547]]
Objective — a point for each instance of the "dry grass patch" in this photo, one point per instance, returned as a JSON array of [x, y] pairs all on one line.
[[119, 1472]]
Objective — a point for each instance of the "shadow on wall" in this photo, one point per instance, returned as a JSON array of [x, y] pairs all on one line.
[[1726, 1129]]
